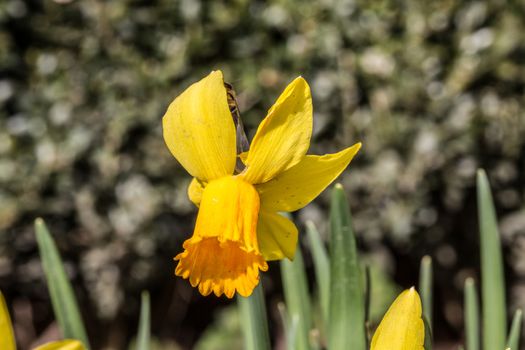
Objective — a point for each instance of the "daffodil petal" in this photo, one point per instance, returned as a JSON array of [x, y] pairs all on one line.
[[277, 236], [244, 156], [199, 130], [402, 327], [195, 189], [299, 185], [68, 344], [7, 337], [283, 137]]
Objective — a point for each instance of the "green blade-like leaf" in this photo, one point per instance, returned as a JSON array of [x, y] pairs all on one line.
[[492, 278], [347, 305], [254, 321], [425, 288], [322, 268], [289, 324], [368, 301], [471, 315], [513, 341], [297, 299], [143, 335], [60, 290]]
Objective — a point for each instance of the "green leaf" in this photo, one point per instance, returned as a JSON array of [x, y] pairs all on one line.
[[297, 299], [492, 277], [471, 315], [513, 341], [322, 268], [143, 336], [347, 305], [425, 287], [290, 325], [368, 299], [254, 321], [62, 297]]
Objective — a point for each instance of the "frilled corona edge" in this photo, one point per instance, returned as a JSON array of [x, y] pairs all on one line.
[[221, 268]]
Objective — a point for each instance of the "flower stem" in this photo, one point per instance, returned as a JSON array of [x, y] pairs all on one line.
[[254, 320]]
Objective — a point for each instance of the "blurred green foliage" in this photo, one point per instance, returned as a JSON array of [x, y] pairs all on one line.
[[434, 90]]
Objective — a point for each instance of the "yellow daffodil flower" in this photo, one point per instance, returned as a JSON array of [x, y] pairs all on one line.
[[238, 228], [7, 337], [402, 327], [68, 344]]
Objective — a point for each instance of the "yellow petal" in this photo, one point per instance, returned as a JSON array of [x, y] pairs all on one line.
[[199, 131], [277, 236], [283, 137], [195, 190], [7, 337], [402, 327], [298, 186], [68, 344]]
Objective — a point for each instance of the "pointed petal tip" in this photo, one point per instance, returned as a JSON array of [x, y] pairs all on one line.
[[300, 83], [412, 293], [469, 281], [300, 79], [217, 73], [310, 223]]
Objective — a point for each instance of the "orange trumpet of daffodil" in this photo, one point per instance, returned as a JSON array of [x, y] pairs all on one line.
[[238, 228], [402, 327]]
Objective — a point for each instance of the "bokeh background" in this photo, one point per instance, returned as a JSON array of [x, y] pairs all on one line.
[[433, 89]]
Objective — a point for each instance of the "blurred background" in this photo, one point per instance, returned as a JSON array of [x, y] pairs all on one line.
[[434, 90]]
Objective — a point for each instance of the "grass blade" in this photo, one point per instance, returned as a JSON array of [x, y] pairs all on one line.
[[143, 336], [289, 325], [425, 289], [471, 311], [513, 341], [63, 299], [347, 306], [322, 268], [368, 301], [492, 278], [253, 318], [297, 299]]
